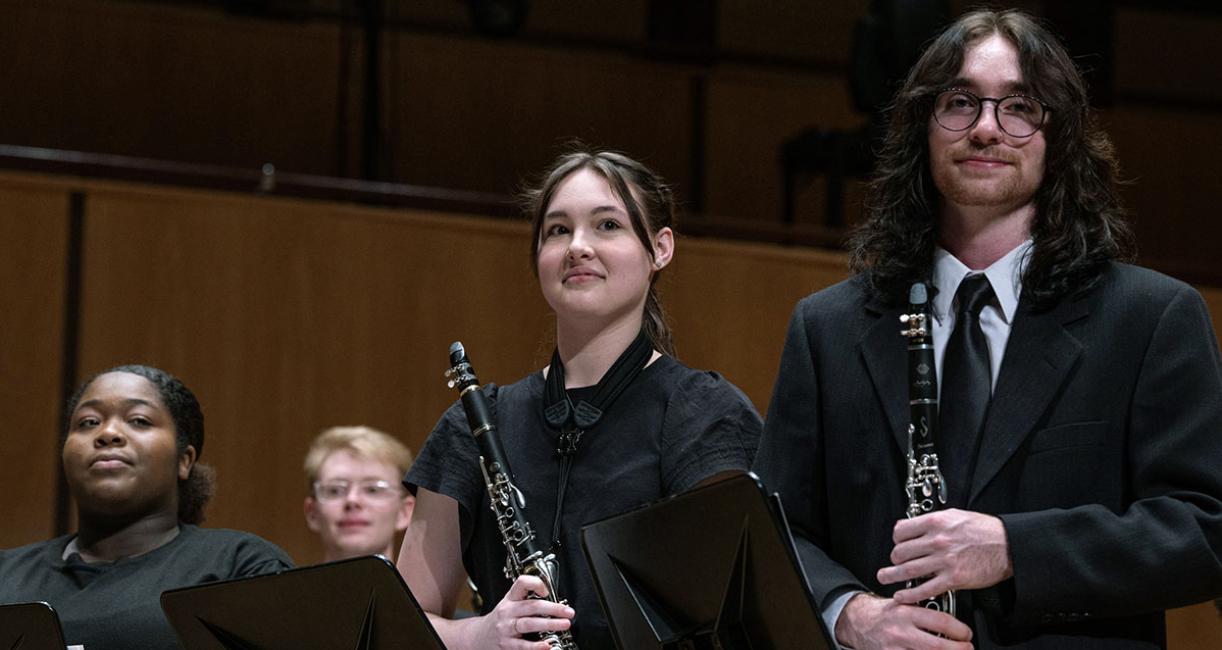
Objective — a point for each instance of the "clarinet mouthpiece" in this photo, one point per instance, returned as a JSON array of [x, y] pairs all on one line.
[[457, 353]]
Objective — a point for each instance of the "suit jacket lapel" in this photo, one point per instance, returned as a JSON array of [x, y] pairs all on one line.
[[1039, 356], [883, 348]]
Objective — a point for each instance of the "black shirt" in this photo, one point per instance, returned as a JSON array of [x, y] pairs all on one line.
[[118, 604], [670, 429]]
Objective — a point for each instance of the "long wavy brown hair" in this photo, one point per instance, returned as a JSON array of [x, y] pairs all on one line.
[[1079, 224]]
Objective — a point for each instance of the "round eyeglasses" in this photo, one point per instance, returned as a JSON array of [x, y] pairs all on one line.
[[369, 490], [1020, 116]]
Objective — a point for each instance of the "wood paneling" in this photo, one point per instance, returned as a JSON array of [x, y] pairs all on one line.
[[33, 243], [819, 31], [595, 20], [1168, 159], [476, 114], [1167, 53], [139, 79], [750, 115], [730, 305], [1198, 627]]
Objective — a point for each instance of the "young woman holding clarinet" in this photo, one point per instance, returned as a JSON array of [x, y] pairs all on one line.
[[614, 422]]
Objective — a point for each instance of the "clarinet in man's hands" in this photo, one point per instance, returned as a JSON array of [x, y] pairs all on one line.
[[924, 486]]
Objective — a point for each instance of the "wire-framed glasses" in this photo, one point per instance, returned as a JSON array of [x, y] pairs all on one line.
[[1020, 116], [369, 490]]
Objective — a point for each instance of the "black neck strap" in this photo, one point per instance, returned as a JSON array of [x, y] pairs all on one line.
[[560, 413], [572, 421]]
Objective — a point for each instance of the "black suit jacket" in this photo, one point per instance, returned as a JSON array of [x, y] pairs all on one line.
[[1101, 453]]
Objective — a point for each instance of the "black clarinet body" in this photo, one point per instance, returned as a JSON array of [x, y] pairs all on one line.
[[523, 555], [924, 486]]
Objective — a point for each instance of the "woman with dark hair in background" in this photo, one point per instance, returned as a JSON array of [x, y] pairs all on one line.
[[130, 452], [601, 234]]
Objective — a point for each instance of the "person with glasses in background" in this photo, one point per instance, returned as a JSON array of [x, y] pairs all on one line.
[[357, 503], [1081, 397]]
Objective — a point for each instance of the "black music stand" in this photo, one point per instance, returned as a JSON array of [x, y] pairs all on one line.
[[358, 604], [712, 568], [30, 626]]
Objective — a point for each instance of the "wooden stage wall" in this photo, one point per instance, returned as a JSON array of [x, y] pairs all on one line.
[[287, 316]]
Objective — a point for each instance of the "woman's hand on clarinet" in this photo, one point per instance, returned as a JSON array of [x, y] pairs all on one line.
[[519, 614]]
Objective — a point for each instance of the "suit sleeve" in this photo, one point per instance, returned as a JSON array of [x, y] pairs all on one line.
[[790, 459], [1164, 549]]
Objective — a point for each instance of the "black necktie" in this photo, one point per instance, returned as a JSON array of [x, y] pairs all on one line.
[[966, 389]]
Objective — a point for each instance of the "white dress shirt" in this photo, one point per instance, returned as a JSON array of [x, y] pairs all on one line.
[[1006, 277]]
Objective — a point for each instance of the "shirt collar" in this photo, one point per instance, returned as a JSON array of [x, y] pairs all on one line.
[[1005, 275]]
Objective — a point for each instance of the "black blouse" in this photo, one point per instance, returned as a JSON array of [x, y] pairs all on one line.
[[670, 429]]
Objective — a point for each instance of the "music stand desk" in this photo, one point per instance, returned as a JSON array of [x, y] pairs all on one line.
[[358, 604], [712, 568], [30, 626]]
